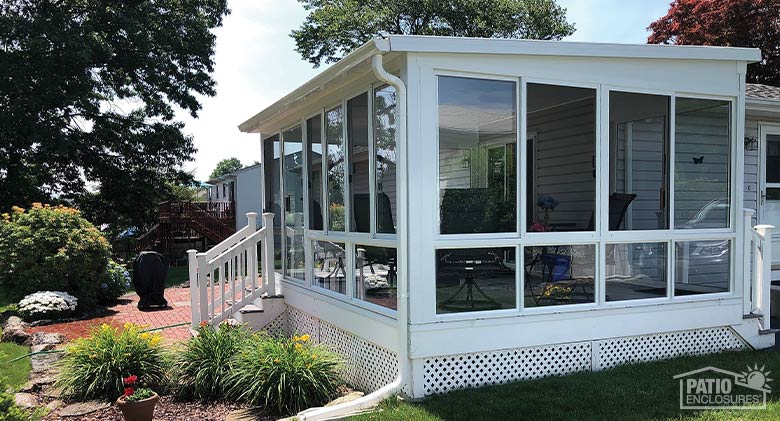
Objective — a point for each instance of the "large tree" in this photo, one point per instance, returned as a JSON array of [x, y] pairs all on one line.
[[226, 166], [734, 23], [333, 28], [88, 96]]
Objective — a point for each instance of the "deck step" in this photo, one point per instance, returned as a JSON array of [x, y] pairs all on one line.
[[751, 316], [250, 308], [768, 331]]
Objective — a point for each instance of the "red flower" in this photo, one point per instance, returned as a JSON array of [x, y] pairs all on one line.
[[204, 323], [129, 391], [130, 380]]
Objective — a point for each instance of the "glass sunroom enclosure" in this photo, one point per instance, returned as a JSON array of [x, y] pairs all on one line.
[[445, 201]]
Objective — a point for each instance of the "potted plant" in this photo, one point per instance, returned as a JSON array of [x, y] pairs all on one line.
[[137, 404]]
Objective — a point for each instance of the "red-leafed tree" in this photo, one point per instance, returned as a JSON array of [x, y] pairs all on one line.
[[734, 23]]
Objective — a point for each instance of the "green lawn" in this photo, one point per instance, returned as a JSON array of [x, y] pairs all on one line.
[[15, 374], [634, 392], [177, 275], [5, 301]]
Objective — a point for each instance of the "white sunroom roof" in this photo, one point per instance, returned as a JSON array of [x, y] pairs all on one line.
[[360, 58]]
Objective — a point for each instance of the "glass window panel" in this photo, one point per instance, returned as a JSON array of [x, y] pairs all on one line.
[[701, 163], [702, 266], [330, 266], [386, 159], [772, 158], [562, 121], [376, 275], [559, 275], [477, 279], [314, 142], [477, 138], [357, 132], [273, 200], [293, 202], [334, 124], [635, 271], [638, 166]]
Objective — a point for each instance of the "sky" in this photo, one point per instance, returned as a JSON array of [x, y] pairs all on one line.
[[256, 64]]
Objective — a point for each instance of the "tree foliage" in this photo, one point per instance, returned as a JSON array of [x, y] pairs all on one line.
[[88, 97], [226, 166], [734, 23], [333, 28]]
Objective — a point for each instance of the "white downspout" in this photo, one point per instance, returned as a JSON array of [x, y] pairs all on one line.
[[402, 313]]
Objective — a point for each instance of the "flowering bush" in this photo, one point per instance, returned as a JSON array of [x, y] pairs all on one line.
[[115, 284], [93, 367], [133, 394], [52, 248], [47, 305], [202, 368], [283, 373]]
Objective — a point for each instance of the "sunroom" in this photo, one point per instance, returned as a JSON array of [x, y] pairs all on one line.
[[457, 212]]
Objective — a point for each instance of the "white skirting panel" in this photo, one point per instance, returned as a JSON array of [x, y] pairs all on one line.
[[366, 366], [445, 373]]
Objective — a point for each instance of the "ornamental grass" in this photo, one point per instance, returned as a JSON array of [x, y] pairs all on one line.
[[286, 374], [93, 367]]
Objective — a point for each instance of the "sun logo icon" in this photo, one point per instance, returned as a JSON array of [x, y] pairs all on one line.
[[757, 378]]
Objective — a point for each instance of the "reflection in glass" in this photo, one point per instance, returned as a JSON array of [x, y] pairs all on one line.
[[478, 279], [559, 275], [375, 275], [314, 140], [357, 141], [272, 179], [639, 173], [329, 266], [562, 166], [702, 267], [635, 271], [702, 163], [334, 124], [477, 155], [386, 159], [294, 265]]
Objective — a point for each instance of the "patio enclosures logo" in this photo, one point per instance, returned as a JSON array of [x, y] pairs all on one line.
[[712, 387]]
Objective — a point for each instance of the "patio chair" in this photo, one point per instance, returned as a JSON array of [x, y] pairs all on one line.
[[618, 205]]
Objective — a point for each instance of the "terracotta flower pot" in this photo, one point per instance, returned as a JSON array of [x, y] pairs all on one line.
[[138, 411]]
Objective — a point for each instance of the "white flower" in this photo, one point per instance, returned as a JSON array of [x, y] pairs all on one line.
[[44, 302]]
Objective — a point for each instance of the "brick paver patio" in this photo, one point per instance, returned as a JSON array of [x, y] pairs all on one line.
[[127, 311]]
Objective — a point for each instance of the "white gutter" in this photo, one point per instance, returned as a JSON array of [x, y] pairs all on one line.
[[402, 313]]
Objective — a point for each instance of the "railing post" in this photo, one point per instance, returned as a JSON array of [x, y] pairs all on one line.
[[251, 221], [764, 284], [747, 274], [192, 260], [203, 292], [361, 286], [269, 277]]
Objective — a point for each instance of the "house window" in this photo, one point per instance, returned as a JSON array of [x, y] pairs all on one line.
[[376, 275], [386, 159], [334, 135], [357, 139], [292, 169], [314, 142], [475, 279], [639, 147], [635, 271], [330, 270], [562, 120], [559, 275], [702, 163], [477, 155]]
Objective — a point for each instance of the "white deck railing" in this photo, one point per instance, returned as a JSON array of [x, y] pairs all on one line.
[[226, 278], [758, 269]]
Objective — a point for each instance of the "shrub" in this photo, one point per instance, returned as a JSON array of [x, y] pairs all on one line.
[[47, 305], [201, 370], [287, 374], [93, 367], [115, 284], [8, 409], [52, 248]]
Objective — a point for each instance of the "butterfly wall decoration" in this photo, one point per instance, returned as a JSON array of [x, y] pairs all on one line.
[[699, 160]]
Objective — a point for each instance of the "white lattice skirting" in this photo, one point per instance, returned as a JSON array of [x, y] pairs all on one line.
[[449, 372], [367, 367]]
